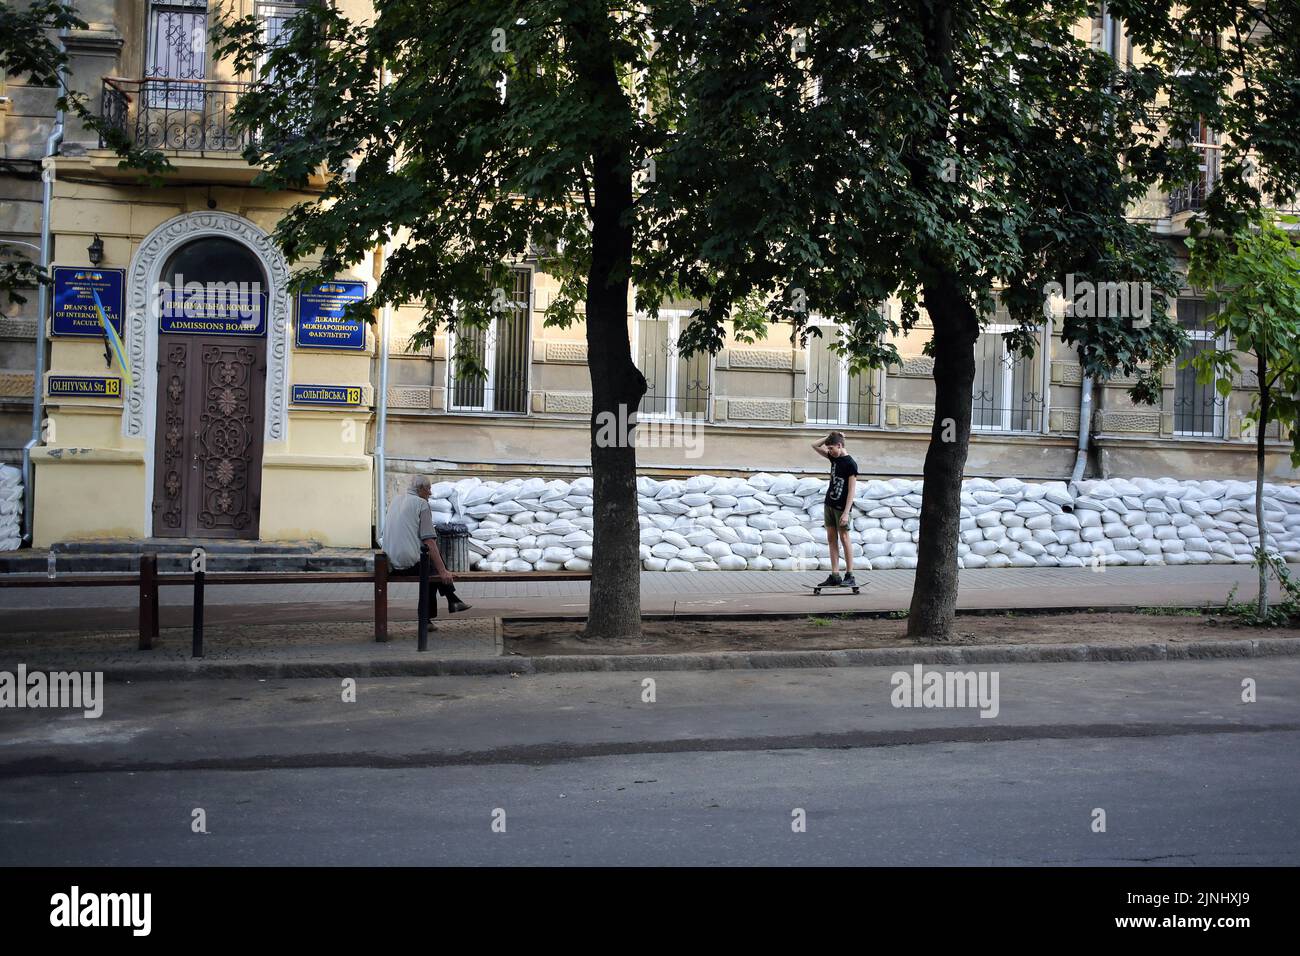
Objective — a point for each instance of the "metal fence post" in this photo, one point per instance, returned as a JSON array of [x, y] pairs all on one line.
[[381, 597], [423, 626], [148, 600], [197, 650]]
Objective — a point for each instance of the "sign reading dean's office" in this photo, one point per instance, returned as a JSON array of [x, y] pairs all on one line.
[[75, 311], [321, 324]]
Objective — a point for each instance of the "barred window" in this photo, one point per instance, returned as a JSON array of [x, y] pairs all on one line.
[[677, 385], [834, 394], [176, 55], [1008, 392], [1198, 409], [502, 349]]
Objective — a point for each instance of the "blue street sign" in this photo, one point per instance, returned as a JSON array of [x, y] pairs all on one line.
[[83, 386], [346, 395]]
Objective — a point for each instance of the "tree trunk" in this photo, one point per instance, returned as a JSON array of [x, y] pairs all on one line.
[[1262, 557], [956, 327], [616, 383]]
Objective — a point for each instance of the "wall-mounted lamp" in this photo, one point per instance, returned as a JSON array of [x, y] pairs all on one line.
[[96, 250]]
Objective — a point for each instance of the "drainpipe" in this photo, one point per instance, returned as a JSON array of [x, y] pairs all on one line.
[[381, 422], [52, 145], [1110, 42]]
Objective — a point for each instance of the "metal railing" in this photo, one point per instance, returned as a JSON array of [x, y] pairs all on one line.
[[175, 114], [1008, 394], [677, 386], [1198, 407], [503, 353], [1192, 197], [835, 395]]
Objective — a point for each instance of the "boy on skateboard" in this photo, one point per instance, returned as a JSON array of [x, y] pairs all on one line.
[[839, 502]]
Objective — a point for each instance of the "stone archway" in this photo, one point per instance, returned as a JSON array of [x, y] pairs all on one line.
[[140, 409]]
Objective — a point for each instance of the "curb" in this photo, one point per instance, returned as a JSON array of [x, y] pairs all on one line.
[[717, 660]]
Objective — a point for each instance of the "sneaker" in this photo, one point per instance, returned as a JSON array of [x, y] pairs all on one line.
[[833, 581], [456, 605], [849, 581]]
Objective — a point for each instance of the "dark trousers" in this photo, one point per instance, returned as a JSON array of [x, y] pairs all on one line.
[[446, 590]]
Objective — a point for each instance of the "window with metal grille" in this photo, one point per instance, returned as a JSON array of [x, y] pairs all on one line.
[[1198, 408], [503, 351], [1008, 394], [677, 385], [176, 54], [834, 395], [277, 18], [1205, 141]]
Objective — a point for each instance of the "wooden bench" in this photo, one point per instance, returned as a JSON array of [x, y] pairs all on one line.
[[147, 580]]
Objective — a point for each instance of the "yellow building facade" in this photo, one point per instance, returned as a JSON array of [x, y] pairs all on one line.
[[267, 436]]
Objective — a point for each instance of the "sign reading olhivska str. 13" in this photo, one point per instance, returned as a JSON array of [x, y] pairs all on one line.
[[75, 312], [346, 395], [210, 310], [321, 324], [86, 386]]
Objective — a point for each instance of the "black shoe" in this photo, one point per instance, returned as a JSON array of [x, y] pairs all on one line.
[[848, 581], [456, 605], [833, 581]]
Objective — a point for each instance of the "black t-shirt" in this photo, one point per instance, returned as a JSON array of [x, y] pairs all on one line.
[[837, 494]]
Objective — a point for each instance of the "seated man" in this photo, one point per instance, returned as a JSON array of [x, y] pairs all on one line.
[[408, 524]]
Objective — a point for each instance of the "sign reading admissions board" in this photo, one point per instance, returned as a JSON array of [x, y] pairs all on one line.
[[341, 395], [321, 324], [75, 312], [84, 386], [213, 311]]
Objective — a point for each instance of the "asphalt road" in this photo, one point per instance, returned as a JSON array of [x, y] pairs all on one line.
[[580, 769]]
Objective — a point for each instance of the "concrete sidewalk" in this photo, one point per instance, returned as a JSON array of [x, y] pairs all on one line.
[[274, 631], [704, 592]]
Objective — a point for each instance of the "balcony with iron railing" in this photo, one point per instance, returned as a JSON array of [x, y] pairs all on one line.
[[178, 115], [1192, 197]]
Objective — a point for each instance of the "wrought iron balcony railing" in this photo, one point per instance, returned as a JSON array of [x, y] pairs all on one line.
[[1191, 198], [174, 114]]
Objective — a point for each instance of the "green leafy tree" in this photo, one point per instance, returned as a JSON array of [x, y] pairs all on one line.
[[943, 153], [27, 49], [770, 160], [472, 134], [1253, 277], [1233, 68]]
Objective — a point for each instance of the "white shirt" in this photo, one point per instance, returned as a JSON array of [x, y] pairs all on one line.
[[408, 522]]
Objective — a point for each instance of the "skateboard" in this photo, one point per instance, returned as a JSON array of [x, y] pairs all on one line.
[[818, 588]]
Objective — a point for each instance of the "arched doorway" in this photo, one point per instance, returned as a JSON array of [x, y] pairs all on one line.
[[211, 311]]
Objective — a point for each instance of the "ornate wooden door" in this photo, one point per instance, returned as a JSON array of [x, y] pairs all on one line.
[[208, 462]]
